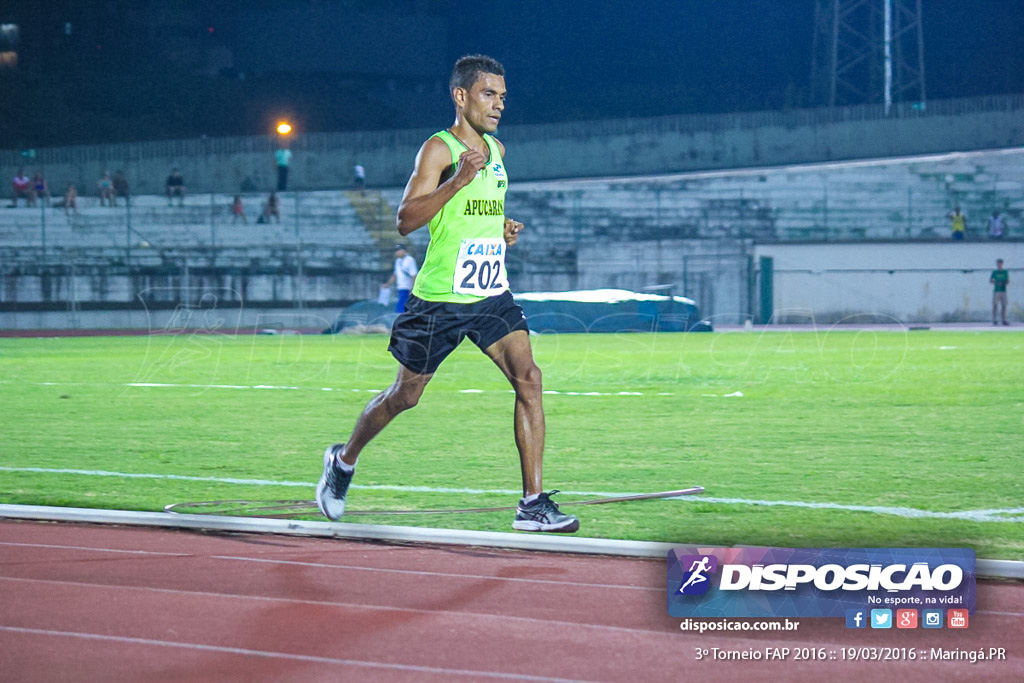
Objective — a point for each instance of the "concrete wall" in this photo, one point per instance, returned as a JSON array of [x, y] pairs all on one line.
[[909, 282], [583, 149], [861, 282]]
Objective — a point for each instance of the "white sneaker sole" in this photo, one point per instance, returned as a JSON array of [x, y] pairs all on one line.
[[566, 527], [337, 510]]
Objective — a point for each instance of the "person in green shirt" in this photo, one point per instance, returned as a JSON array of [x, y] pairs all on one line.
[[457, 188], [1000, 278], [283, 156]]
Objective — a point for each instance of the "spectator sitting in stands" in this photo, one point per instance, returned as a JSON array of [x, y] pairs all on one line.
[[175, 187], [71, 200], [238, 210], [106, 188], [121, 188], [270, 209], [21, 186], [40, 188]]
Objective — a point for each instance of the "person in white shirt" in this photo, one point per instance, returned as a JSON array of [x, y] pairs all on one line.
[[403, 277], [360, 177], [996, 227]]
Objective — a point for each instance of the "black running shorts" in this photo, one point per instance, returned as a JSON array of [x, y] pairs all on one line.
[[429, 331]]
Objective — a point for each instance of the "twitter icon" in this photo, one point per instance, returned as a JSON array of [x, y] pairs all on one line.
[[881, 618]]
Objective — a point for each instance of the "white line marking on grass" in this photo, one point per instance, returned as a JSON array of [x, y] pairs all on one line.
[[166, 385], [139, 475], [997, 515], [203, 647], [989, 515]]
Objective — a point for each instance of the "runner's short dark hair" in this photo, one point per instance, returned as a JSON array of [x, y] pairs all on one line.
[[469, 68]]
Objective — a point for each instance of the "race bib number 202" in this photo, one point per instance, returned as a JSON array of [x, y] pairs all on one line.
[[480, 269]]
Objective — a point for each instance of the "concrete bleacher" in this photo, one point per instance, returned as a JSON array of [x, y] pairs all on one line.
[[580, 233], [885, 199], [325, 224], [697, 233], [570, 222]]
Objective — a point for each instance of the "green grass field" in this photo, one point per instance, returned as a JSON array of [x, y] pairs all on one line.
[[917, 420]]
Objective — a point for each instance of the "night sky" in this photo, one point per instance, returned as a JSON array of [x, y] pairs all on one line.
[[116, 78], [608, 58]]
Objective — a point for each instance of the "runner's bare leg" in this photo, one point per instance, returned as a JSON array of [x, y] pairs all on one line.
[[403, 394], [513, 355]]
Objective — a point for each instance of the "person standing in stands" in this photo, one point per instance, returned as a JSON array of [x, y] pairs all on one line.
[[996, 226], [283, 155], [457, 187], [959, 222], [359, 174], [999, 279], [403, 276]]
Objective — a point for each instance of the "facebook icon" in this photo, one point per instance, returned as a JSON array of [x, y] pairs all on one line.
[[856, 618]]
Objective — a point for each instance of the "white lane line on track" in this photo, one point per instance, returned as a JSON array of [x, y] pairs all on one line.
[[503, 618], [98, 550], [446, 575], [354, 605], [1012, 515], [345, 567], [127, 640]]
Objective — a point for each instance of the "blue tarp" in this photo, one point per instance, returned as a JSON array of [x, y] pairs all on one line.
[[610, 310], [603, 310]]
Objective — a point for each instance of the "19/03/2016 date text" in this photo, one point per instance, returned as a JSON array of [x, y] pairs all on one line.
[[852, 654]]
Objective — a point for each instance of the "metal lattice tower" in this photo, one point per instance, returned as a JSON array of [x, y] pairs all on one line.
[[868, 51]]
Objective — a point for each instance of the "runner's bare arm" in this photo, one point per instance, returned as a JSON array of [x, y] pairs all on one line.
[[512, 230], [425, 193], [512, 226]]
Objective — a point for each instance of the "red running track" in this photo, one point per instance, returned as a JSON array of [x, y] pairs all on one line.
[[99, 603]]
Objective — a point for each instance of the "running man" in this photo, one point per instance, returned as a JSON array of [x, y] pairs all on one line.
[[458, 188]]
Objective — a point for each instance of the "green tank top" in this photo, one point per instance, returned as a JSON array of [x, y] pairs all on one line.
[[465, 259]]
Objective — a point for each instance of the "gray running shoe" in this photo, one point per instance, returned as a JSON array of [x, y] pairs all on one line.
[[543, 515], [330, 492]]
